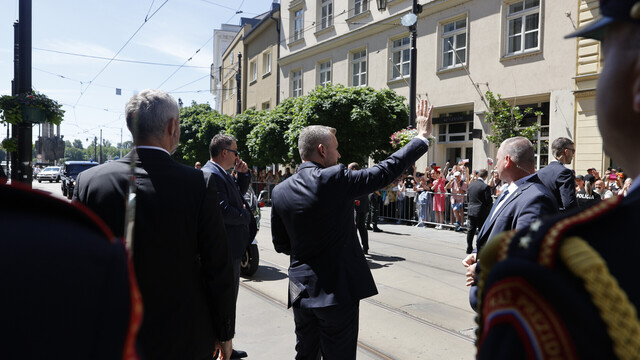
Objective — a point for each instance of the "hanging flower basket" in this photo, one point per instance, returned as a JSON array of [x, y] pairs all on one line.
[[31, 108], [402, 137]]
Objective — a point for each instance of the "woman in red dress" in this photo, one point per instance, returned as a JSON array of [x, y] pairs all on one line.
[[438, 197]]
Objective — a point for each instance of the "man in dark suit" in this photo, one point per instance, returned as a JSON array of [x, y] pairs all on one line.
[[557, 177], [312, 221], [574, 270], [236, 215], [480, 201], [180, 253], [524, 201]]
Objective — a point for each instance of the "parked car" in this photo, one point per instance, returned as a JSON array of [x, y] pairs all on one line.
[[251, 257], [51, 173], [70, 173]]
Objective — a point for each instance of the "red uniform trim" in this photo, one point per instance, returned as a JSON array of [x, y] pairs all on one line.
[[549, 246], [542, 332]]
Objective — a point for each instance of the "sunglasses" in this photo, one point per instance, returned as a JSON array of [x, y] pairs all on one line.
[[233, 151]]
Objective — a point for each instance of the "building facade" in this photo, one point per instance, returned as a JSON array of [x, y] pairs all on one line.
[[249, 65], [589, 143], [514, 48], [221, 39]]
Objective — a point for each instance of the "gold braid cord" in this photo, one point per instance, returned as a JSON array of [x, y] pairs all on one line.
[[616, 311], [494, 251]]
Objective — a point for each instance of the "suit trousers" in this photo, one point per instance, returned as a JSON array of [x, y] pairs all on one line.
[[476, 223], [361, 225], [328, 332]]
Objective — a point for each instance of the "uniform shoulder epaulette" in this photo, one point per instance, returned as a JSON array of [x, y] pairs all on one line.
[[554, 240]]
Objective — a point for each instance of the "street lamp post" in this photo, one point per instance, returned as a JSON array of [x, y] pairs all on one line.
[[410, 20]]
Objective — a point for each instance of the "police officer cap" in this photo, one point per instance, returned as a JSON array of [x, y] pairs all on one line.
[[611, 11], [590, 178]]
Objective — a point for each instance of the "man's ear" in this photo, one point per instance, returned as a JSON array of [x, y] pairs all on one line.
[[322, 150], [507, 161], [171, 127]]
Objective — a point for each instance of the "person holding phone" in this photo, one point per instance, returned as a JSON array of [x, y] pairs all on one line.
[[239, 223]]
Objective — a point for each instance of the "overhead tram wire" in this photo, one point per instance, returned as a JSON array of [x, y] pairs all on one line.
[[205, 44], [181, 66], [118, 60], [189, 83], [147, 18]]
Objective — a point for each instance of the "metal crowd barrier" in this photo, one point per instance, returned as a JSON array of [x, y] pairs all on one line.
[[412, 207]]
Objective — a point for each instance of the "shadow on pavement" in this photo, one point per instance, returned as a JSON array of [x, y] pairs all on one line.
[[381, 261], [266, 273]]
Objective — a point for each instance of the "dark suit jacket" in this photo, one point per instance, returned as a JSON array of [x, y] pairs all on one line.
[[312, 220], [560, 180], [530, 202], [480, 200], [180, 251], [236, 218]]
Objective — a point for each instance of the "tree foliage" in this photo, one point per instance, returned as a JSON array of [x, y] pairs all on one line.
[[507, 121], [198, 124], [364, 119]]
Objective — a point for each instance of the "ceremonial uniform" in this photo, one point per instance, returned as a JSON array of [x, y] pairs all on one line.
[[547, 292]]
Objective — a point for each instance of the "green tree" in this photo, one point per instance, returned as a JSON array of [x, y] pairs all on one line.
[[363, 117], [507, 121], [198, 124], [77, 143], [240, 127], [72, 152]]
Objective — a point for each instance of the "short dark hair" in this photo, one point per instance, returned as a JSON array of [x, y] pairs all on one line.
[[559, 144], [219, 143], [483, 173]]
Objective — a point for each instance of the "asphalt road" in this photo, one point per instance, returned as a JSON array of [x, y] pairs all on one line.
[[421, 311]]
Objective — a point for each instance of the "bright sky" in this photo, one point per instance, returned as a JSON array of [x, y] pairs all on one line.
[[67, 35]]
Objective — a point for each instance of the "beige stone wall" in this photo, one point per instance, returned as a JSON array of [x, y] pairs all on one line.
[[261, 43], [589, 145], [545, 75]]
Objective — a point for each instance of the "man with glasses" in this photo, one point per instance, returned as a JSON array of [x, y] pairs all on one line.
[[557, 177], [238, 219]]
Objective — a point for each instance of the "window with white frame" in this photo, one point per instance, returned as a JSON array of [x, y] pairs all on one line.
[[523, 26], [454, 43], [455, 132], [266, 62], [254, 70], [231, 57], [326, 14], [298, 24], [401, 57], [296, 83], [324, 72], [360, 6], [359, 68], [541, 141]]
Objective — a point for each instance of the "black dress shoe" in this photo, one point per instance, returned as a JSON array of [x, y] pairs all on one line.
[[238, 354], [369, 228], [469, 250], [376, 229]]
